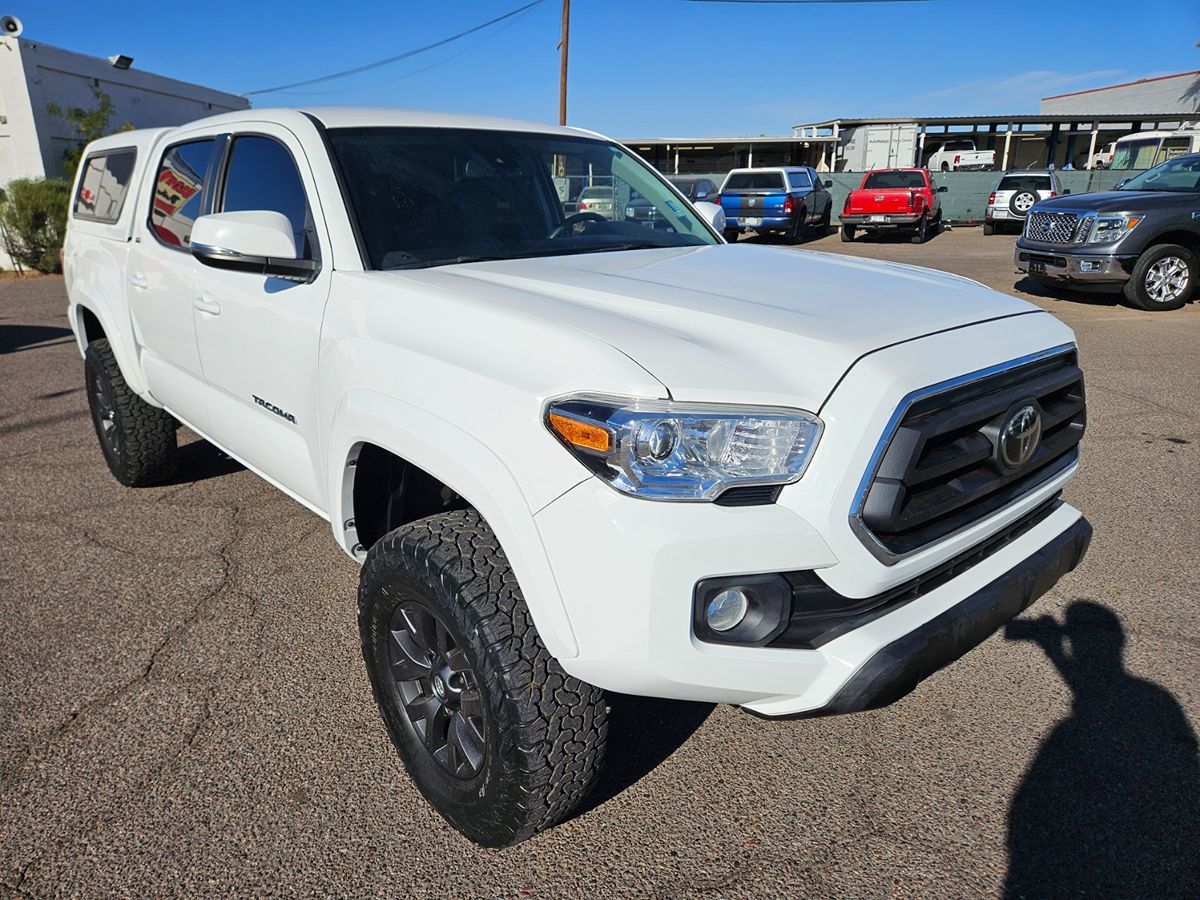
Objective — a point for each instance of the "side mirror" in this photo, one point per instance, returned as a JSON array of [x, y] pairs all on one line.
[[942, 188], [712, 214], [828, 182], [258, 241]]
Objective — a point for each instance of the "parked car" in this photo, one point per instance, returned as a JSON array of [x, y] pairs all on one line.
[[960, 156], [891, 200], [1015, 195], [597, 199], [1140, 238], [1103, 158], [572, 455], [787, 200], [696, 188]]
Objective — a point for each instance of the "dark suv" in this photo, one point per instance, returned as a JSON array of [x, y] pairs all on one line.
[[1143, 238]]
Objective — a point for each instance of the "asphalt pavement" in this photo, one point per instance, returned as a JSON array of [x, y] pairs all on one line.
[[184, 711]]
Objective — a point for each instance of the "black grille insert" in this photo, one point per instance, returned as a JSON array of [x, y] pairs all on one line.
[[940, 470]]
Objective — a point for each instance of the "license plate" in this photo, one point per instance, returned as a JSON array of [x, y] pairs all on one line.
[[1037, 267], [879, 218], [753, 221]]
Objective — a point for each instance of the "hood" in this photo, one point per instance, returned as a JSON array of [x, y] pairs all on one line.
[[733, 324], [1118, 201]]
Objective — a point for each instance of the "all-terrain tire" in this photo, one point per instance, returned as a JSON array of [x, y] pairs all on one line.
[[544, 731], [1142, 290], [137, 439]]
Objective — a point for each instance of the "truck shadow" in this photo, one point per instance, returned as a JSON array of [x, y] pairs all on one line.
[[200, 461], [1110, 806], [1033, 288], [21, 337], [642, 733]]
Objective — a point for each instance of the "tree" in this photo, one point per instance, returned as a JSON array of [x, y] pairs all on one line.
[[88, 124]]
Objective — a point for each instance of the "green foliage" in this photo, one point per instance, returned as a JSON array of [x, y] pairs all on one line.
[[33, 221], [89, 124]]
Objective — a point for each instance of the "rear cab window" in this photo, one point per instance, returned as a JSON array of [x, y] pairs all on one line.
[[1025, 183], [178, 198], [755, 181], [103, 185], [878, 181]]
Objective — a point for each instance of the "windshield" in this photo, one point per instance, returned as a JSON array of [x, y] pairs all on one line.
[[1135, 154], [1180, 175], [754, 181], [435, 196], [883, 180]]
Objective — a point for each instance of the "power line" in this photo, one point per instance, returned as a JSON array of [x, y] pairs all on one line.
[[392, 59]]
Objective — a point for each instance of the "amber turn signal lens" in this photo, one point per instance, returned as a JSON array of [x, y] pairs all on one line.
[[581, 434]]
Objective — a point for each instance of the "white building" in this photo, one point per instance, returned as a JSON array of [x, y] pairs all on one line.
[[1164, 93], [35, 76]]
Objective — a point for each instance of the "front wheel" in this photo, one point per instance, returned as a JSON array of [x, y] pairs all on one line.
[[1164, 278], [497, 737], [826, 218]]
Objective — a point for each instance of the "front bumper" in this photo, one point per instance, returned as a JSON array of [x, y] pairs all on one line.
[[894, 220], [1073, 266], [899, 667]]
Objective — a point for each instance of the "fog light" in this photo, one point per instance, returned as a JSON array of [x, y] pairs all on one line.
[[1089, 266], [726, 610]]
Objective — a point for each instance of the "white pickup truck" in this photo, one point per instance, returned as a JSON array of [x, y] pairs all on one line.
[[959, 156], [572, 454]]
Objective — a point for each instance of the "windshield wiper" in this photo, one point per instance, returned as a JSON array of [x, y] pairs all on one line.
[[627, 245]]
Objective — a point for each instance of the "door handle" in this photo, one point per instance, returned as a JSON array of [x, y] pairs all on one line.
[[138, 281], [207, 306]]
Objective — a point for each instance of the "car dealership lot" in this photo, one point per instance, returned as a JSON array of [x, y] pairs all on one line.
[[184, 708]]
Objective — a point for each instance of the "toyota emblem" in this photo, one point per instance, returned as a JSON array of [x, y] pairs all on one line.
[[1020, 436]]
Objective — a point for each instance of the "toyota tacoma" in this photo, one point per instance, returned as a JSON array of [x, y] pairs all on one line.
[[572, 454]]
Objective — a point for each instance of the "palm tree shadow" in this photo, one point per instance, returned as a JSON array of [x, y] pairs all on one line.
[[1110, 806], [642, 733]]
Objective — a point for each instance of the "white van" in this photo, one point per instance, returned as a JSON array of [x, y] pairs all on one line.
[[1147, 149]]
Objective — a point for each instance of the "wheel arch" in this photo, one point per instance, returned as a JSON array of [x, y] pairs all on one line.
[[1189, 240], [92, 318], [367, 423]]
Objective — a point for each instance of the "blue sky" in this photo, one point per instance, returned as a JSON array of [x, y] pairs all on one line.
[[648, 68]]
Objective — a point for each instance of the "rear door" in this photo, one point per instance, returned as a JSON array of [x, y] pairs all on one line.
[[161, 272], [259, 336]]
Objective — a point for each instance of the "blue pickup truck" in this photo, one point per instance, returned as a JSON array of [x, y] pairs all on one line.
[[787, 199]]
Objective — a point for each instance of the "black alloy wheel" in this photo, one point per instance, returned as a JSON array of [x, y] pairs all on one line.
[[433, 683]]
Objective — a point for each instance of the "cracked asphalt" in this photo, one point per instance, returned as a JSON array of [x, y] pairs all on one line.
[[184, 712]]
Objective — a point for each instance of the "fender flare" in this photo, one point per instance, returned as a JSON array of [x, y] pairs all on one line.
[[468, 467], [85, 296]]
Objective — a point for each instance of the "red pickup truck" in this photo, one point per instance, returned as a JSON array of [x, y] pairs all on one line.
[[893, 199]]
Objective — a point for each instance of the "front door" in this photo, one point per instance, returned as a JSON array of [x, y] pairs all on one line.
[[160, 273], [258, 335]]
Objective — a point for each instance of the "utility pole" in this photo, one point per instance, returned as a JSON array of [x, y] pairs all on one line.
[[562, 80]]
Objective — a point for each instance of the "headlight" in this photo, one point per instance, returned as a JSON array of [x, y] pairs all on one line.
[[684, 451], [1107, 229]]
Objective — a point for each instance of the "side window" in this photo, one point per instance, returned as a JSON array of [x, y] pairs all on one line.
[[178, 191], [262, 176], [103, 186], [800, 180]]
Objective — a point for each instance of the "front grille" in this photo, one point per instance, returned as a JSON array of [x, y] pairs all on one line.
[[942, 470], [1051, 227]]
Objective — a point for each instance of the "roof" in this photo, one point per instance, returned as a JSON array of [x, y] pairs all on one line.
[[385, 117], [1124, 84], [704, 141]]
